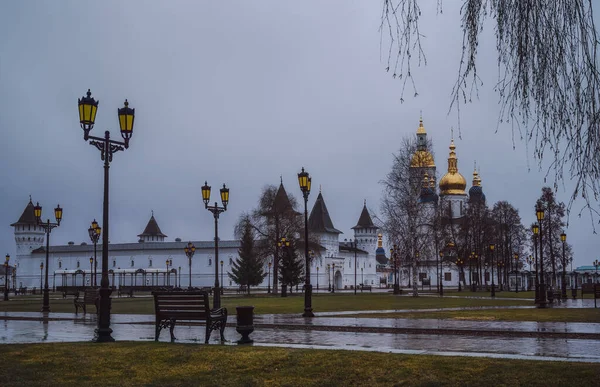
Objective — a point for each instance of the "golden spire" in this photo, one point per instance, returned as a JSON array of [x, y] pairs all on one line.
[[421, 129], [476, 179], [379, 241]]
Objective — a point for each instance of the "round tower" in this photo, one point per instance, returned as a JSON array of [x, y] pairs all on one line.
[[28, 235]]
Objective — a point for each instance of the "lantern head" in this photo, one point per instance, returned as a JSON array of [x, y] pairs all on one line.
[[224, 196], [126, 116], [88, 107], [37, 211], [206, 193], [58, 213], [563, 237], [535, 228]]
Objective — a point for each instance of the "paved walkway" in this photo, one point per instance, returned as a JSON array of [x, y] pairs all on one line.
[[516, 340]]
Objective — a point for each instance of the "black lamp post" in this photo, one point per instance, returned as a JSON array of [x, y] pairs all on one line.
[[317, 279], [596, 264], [563, 238], [222, 283], [94, 231], [107, 147], [190, 250], [460, 263], [47, 226], [536, 230], [492, 248], [394, 254], [333, 278], [41, 275], [362, 281], [167, 279], [216, 210], [539, 212], [269, 281], [6, 277], [530, 262], [441, 278], [179, 275], [304, 180], [91, 270], [516, 255]]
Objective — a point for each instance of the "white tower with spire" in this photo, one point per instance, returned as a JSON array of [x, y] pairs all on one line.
[[365, 232]]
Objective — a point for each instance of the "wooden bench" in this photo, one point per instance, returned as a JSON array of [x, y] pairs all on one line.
[[170, 307], [125, 290], [90, 297], [365, 287]]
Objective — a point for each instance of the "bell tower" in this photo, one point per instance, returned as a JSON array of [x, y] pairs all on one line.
[[28, 235]]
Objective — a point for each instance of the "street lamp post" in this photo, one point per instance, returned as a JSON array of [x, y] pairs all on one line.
[[47, 226], [353, 245], [6, 277], [539, 212], [460, 263], [269, 281], [441, 278], [492, 248], [396, 279], [91, 270], [563, 238], [536, 230], [317, 279], [304, 180], [94, 231], [222, 283], [179, 275], [107, 147], [516, 255], [328, 277], [362, 281], [41, 275], [596, 264], [189, 250], [167, 279], [333, 278], [216, 210]]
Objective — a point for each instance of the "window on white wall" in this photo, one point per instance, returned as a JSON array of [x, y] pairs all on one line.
[[132, 263], [150, 263], [78, 264]]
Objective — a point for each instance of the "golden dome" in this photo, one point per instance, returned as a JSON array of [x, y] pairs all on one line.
[[453, 183], [422, 158]]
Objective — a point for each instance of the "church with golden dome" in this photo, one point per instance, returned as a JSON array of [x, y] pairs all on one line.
[[450, 197]]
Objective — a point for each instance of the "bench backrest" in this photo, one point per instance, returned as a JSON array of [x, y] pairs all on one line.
[[181, 305], [90, 295]]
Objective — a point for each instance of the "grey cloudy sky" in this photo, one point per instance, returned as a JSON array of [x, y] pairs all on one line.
[[236, 92]]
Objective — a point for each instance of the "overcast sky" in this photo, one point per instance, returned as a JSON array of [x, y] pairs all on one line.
[[237, 92]]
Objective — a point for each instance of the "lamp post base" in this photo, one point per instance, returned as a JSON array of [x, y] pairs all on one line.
[[46, 303], [308, 302], [441, 289], [103, 335]]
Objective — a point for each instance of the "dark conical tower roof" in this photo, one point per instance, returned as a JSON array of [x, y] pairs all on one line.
[[319, 220], [152, 229], [365, 220], [281, 203], [27, 217]]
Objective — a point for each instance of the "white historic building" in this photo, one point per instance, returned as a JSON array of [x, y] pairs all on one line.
[[145, 262]]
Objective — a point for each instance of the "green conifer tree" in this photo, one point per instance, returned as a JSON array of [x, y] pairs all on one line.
[[248, 268], [292, 266]]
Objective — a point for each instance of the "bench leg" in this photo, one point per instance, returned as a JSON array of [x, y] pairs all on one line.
[[222, 330], [207, 335], [171, 330]]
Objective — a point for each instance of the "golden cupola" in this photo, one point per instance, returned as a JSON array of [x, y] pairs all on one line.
[[422, 157], [453, 183]]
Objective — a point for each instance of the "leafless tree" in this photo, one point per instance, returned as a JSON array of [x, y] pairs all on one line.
[[403, 215], [548, 86]]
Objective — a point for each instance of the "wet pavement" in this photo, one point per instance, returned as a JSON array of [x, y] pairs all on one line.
[[323, 332]]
